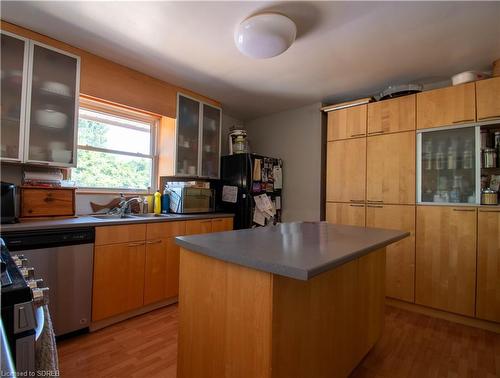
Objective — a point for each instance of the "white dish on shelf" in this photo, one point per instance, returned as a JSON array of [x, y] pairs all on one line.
[[467, 77], [61, 156], [56, 88], [51, 118]]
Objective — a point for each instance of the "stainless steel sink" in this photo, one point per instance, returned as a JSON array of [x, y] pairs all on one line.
[[153, 215], [112, 216]]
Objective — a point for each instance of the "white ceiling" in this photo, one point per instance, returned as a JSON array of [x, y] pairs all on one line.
[[344, 50]]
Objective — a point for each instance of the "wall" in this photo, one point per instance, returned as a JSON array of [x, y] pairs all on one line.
[[297, 137]]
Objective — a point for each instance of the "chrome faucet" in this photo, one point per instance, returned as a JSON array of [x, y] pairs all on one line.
[[123, 207]]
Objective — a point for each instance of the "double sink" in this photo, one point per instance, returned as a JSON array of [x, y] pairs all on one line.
[[135, 216]]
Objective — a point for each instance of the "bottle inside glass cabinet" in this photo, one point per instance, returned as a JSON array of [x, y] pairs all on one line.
[[490, 161], [448, 166]]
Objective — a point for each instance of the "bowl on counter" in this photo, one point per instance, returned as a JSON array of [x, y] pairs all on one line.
[[51, 118]]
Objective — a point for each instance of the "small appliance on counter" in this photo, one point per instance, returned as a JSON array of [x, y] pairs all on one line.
[[8, 204], [187, 197]]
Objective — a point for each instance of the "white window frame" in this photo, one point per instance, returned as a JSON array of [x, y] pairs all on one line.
[[114, 110]]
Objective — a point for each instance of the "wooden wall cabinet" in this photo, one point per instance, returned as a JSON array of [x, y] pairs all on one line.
[[352, 214], [391, 116], [488, 264], [446, 106], [488, 99], [391, 168], [446, 258], [347, 123], [400, 256], [346, 170]]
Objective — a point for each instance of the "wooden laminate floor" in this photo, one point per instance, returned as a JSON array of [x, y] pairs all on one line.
[[413, 345]]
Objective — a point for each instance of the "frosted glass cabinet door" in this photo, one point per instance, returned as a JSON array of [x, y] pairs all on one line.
[[188, 127], [448, 166], [53, 113], [210, 142], [12, 106]]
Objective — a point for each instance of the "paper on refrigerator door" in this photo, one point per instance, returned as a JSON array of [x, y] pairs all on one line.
[[265, 205], [258, 217], [229, 193], [257, 170], [277, 200], [278, 177]]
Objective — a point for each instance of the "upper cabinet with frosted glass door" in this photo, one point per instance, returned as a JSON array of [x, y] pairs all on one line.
[[52, 114], [197, 149], [14, 74], [39, 103]]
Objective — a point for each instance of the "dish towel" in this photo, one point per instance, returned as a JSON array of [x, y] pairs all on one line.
[[46, 350]]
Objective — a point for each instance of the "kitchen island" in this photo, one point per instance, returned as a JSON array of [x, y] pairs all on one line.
[[295, 300]]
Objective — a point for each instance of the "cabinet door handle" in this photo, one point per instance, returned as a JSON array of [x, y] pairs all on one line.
[[470, 210], [376, 132], [136, 244], [490, 117], [376, 201], [357, 200], [464, 120], [377, 206], [154, 241], [352, 205], [489, 211], [358, 134], [207, 221]]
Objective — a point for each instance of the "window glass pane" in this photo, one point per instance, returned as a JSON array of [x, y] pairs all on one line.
[[131, 138], [107, 170]]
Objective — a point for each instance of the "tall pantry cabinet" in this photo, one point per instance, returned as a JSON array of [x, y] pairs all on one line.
[[371, 178]]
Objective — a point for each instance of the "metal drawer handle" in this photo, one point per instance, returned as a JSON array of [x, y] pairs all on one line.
[[357, 205], [357, 200], [464, 120], [154, 241], [377, 206], [359, 134], [376, 132], [376, 201], [489, 211], [470, 210], [136, 244]]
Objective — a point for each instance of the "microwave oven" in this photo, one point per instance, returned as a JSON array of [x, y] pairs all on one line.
[[187, 200]]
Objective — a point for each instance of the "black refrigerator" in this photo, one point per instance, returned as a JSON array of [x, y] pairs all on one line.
[[246, 176]]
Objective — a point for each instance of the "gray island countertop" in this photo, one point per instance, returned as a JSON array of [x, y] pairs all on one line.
[[298, 250]]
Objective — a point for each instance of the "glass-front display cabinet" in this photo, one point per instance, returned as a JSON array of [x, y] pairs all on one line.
[[448, 166], [197, 150], [39, 103], [14, 76]]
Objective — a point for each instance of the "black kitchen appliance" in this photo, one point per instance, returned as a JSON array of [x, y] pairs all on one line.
[[8, 203], [253, 175]]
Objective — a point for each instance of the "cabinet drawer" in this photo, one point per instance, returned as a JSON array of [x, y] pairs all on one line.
[[120, 234], [446, 106], [202, 226], [222, 224], [41, 202], [165, 229]]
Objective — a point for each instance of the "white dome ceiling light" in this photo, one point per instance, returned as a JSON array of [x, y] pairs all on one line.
[[265, 35]]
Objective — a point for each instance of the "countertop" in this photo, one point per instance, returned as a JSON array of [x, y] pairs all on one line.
[[89, 221], [299, 250]]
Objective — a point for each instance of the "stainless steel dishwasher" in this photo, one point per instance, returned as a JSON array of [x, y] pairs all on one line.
[[63, 258]]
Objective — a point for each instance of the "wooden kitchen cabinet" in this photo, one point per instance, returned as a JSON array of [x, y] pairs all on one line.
[[352, 214], [446, 258], [120, 234], [400, 256], [118, 284], [47, 202], [446, 106], [488, 264], [488, 99], [391, 168], [222, 224], [347, 123], [202, 226], [155, 271], [389, 116], [172, 278], [346, 170]]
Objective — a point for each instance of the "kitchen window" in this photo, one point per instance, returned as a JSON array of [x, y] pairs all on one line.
[[116, 149]]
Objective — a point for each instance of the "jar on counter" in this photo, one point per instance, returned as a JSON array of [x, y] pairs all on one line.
[[489, 158], [489, 197]]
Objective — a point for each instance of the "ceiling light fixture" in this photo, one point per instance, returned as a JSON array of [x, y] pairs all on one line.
[[265, 35]]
